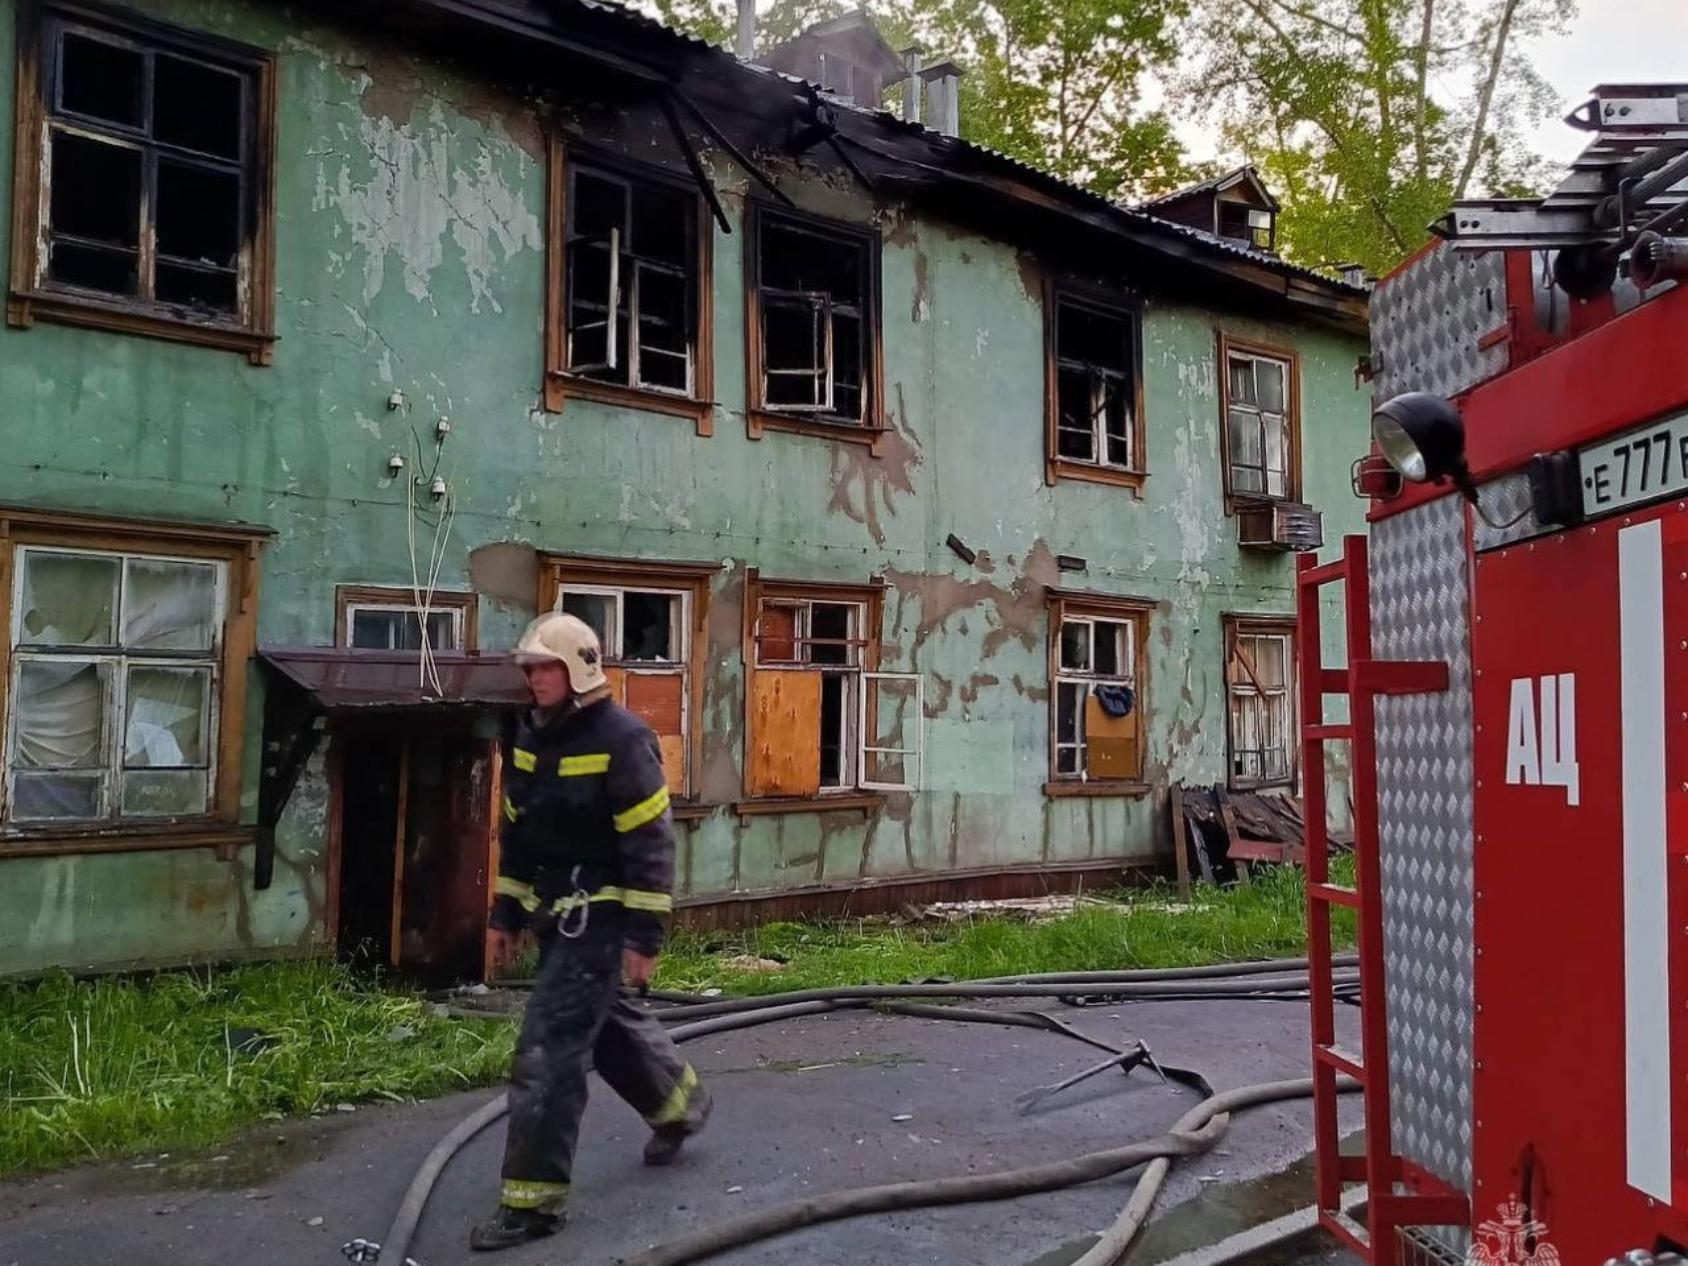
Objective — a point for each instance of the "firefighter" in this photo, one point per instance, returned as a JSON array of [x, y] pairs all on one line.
[[586, 863]]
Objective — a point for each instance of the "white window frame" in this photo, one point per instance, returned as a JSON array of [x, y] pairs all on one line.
[[454, 611], [1239, 695], [1086, 681], [115, 702], [917, 754], [1260, 416]]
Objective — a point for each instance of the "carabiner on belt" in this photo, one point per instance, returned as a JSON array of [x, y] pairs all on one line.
[[580, 902]]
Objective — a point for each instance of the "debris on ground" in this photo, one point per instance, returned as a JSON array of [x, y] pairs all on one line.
[[1027, 909], [752, 963]]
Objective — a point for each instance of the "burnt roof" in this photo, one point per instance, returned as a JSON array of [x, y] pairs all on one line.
[[904, 157]]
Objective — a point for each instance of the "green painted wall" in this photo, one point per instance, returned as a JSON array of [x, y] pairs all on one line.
[[410, 256]]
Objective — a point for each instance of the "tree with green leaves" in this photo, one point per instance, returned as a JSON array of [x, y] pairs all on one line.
[[1345, 107]]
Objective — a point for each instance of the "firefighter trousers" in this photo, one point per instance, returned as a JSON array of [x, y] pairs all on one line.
[[579, 1017]]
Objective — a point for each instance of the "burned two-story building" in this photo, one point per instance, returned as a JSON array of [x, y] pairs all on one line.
[[935, 513]]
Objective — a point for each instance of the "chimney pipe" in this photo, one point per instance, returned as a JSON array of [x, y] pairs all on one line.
[[744, 43], [943, 97], [914, 86]]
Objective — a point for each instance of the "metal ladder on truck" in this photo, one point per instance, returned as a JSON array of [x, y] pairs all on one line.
[[1427, 1201]]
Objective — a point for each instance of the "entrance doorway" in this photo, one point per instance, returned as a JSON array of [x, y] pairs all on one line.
[[416, 808]]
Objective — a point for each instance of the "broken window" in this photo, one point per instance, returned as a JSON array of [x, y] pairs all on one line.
[[1095, 388], [149, 170], [821, 721], [1097, 705], [1243, 223], [645, 634], [114, 690], [1260, 686], [631, 281], [814, 303], [1259, 425]]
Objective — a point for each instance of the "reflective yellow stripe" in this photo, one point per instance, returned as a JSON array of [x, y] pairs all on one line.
[[651, 902], [674, 1109], [632, 898], [516, 1194], [575, 766], [524, 760], [647, 810], [510, 810], [524, 893]]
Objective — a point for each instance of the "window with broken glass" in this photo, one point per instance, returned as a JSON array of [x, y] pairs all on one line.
[[815, 311], [823, 639], [1095, 384], [631, 263], [1259, 426], [1260, 681], [149, 169], [115, 673], [1097, 705]]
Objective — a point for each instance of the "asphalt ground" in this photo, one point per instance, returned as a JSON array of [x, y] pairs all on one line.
[[836, 1101]]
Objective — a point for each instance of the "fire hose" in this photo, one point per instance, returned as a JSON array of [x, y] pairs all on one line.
[[1195, 1132]]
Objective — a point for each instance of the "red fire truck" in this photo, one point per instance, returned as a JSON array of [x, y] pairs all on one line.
[[1515, 694]]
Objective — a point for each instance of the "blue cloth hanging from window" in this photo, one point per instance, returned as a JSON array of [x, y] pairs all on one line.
[[1116, 701]]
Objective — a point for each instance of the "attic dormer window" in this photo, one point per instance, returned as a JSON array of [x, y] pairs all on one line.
[[1253, 225]]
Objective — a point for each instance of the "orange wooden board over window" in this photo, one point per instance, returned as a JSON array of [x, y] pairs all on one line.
[[658, 699], [785, 755], [1113, 741]]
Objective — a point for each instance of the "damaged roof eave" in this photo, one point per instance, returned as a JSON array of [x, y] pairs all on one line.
[[661, 60]]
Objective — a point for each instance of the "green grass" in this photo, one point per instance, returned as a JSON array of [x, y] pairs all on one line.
[[103, 1069], [1139, 928]]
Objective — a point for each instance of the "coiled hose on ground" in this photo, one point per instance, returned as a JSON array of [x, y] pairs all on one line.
[[1196, 1131]]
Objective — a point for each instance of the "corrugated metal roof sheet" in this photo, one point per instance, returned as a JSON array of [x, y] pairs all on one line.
[[343, 679]]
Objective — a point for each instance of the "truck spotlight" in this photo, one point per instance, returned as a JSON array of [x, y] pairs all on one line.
[[1423, 437]]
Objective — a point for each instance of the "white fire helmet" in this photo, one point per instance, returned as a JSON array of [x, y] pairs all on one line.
[[569, 641]]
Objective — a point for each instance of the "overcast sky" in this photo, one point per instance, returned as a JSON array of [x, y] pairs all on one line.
[[1612, 41]]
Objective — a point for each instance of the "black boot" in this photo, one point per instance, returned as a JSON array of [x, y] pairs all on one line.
[[510, 1227], [664, 1145]]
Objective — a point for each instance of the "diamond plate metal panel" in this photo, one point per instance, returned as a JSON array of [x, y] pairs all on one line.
[[1427, 318], [1505, 500], [1420, 594]]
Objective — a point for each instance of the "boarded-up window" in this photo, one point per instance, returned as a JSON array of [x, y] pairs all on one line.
[[821, 720], [1096, 717], [649, 617], [645, 635], [1260, 687]]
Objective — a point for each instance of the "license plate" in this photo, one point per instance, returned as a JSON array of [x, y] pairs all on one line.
[[1645, 464]]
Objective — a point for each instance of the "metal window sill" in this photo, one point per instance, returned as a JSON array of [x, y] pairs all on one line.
[[870, 433], [861, 802], [1061, 787]]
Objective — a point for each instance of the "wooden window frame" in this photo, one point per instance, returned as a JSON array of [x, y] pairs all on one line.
[[1268, 625], [1063, 603], [238, 549], [1292, 418], [871, 598], [1056, 467], [560, 385], [33, 298], [759, 416], [346, 597], [559, 571]]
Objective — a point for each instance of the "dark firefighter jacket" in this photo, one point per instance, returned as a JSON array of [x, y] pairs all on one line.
[[586, 822]]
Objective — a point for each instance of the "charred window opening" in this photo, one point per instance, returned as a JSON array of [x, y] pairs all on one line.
[[631, 282], [1260, 684], [815, 304], [1258, 426], [148, 171], [1095, 388]]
